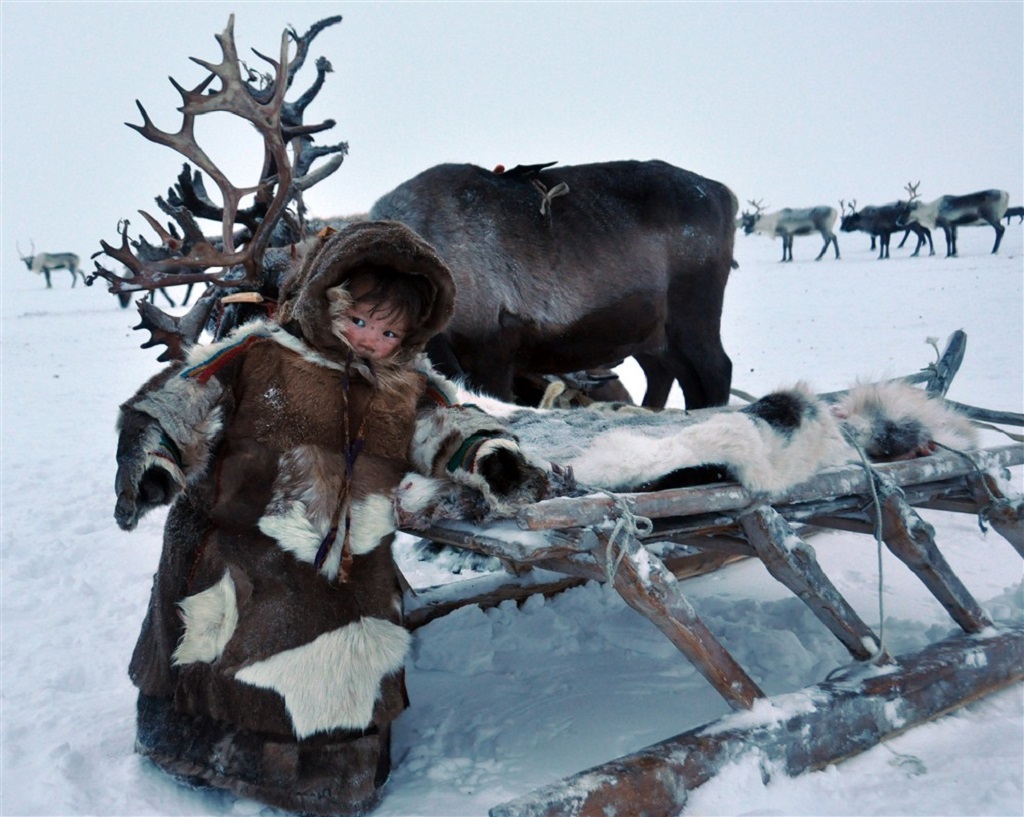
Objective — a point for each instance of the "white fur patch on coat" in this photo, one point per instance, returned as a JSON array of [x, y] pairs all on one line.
[[373, 518], [303, 504], [210, 619], [297, 531], [333, 681]]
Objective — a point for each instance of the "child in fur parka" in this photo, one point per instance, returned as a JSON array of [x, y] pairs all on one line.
[[270, 661]]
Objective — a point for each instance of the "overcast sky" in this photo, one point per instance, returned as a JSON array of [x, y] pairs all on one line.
[[794, 104]]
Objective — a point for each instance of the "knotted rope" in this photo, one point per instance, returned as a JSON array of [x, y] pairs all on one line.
[[994, 501], [559, 189], [627, 524]]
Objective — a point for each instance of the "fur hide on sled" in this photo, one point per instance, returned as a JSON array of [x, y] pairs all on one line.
[[768, 447]]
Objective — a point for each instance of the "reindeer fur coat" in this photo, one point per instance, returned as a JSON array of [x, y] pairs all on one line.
[[270, 660]]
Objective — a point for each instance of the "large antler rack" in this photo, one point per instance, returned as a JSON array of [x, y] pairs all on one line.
[[186, 257]]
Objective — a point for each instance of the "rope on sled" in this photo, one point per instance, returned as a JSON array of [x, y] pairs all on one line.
[[848, 435], [627, 524], [994, 500]]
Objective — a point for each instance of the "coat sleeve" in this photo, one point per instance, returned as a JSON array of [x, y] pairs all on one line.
[[167, 432], [461, 443]]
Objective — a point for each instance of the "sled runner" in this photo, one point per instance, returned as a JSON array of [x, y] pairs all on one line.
[[607, 536]]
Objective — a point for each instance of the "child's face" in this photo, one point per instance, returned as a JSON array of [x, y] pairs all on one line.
[[373, 336]]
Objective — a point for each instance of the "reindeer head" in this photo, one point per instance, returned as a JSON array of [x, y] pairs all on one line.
[[28, 259], [849, 217], [905, 216], [748, 220]]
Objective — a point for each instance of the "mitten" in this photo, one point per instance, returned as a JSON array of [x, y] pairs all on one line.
[[509, 480], [148, 469]]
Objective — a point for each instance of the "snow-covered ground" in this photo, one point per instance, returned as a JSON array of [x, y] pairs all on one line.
[[508, 700]]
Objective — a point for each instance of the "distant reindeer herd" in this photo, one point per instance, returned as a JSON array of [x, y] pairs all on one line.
[[881, 221], [878, 221]]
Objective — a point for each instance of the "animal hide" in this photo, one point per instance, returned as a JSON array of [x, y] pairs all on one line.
[[768, 447]]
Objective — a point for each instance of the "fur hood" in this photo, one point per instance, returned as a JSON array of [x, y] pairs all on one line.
[[303, 309]]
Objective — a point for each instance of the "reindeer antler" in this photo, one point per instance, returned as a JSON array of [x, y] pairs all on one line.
[[757, 205], [912, 190], [246, 233]]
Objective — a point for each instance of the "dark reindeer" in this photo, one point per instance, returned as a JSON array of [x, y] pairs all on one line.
[[562, 269], [45, 262], [1011, 212], [950, 212], [882, 221], [788, 223]]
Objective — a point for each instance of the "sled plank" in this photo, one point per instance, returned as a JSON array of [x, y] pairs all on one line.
[[912, 540], [793, 562], [800, 731], [423, 606], [567, 512], [515, 547], [1006, 418], [649, 588]]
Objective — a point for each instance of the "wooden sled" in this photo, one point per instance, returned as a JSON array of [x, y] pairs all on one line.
[[595, 537]]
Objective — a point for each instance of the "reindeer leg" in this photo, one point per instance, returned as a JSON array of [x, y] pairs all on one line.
[[950, 240], [824, 246], [1000, 229], [659, 381], [705, 376], [46, 274], [920, 243]]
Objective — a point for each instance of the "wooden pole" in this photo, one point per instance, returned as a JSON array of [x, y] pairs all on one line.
[[792, 561], [649, 588]]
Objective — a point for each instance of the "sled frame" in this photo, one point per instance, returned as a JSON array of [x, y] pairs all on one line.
[[557, 543]]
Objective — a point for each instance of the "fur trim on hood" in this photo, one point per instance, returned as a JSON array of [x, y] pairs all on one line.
[[303, 309]]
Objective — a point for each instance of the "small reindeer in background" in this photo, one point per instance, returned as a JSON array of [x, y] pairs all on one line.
[[44, 262]]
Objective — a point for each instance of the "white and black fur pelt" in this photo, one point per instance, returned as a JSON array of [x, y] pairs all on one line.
[[768, 447]]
